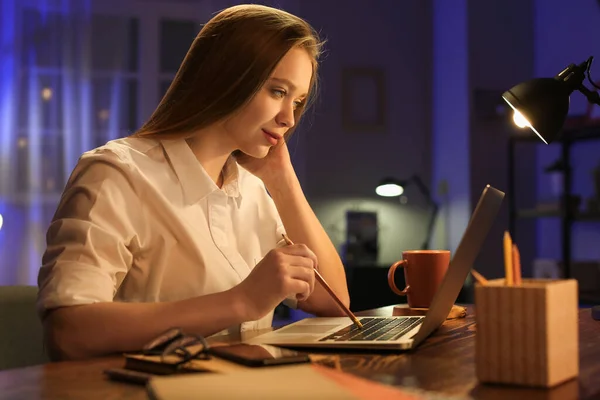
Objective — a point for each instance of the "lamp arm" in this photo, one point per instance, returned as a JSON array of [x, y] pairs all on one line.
[[593, 97], [423, 188], [583, 69], [432, 218]]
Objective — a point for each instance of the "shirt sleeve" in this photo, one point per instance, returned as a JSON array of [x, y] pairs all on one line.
[[92, 235]]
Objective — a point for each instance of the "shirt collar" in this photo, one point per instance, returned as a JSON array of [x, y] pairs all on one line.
[[194, 179]]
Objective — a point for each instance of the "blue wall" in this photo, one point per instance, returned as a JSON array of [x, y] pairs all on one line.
[[565, 34]]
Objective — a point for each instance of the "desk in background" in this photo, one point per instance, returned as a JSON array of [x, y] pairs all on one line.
[[443, 363], [368, 287]]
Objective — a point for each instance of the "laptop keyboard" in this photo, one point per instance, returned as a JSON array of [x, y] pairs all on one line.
[[375, 329]]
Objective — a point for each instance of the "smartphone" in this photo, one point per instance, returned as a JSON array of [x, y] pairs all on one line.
[[258, 355]]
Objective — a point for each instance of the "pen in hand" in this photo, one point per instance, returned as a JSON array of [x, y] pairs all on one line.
[[326, 286]]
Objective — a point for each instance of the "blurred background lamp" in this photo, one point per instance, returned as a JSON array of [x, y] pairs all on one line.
[[391, 187], [1, 221], [542, 104]]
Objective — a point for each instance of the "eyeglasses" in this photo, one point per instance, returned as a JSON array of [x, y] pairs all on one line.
[[175, 343]]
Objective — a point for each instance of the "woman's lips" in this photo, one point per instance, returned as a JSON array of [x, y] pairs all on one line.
[[272, 138]]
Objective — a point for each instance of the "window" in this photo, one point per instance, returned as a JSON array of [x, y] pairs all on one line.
[[176, 37]]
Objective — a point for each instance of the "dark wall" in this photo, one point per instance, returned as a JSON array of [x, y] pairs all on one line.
[[501, 50]]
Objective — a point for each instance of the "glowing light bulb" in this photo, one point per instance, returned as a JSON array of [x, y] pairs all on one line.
[[46, 93], [389, 190], [1, 221], [520, 120], [103, 115]]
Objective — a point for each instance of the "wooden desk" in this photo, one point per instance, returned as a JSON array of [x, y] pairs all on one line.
[[444, 363]]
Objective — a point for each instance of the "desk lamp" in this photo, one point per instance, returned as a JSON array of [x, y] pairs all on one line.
[[542, 104], [390, 187]]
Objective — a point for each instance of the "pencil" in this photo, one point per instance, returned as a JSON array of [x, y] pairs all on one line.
[[479, 278], [516, 264], [508, 257], [329, 290]]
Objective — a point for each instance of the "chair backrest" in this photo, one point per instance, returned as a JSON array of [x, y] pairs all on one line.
[[21, 336]]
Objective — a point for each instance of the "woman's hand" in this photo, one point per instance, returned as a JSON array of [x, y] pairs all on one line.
[[270, 169], [282, 273]]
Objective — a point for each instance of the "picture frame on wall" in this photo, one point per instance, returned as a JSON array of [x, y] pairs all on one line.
[[363, 99]]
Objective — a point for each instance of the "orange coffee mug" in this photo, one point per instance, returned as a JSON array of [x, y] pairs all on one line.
[[423, 273]]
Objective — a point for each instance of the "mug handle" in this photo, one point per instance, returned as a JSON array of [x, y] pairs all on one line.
[[391, 272]]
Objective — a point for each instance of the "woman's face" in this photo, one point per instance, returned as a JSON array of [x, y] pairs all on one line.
[[262, 123]]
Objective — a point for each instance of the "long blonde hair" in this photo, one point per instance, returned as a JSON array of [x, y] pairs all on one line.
[[226, 65]]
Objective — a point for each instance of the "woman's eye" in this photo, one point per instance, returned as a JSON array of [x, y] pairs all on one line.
[[279, 92]]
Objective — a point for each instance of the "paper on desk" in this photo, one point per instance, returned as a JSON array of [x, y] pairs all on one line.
[[283, 382]]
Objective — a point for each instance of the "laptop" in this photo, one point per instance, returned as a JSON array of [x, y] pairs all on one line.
[[399, 332]]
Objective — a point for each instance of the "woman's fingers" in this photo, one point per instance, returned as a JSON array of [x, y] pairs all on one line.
[[301, 250], [302, 281]]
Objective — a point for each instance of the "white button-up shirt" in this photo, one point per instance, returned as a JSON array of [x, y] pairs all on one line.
[[140, 220]]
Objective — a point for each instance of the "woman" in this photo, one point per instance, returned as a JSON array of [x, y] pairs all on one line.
[[173, 226]]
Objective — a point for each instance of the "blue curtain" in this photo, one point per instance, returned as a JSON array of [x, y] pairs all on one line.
[[52, 109]]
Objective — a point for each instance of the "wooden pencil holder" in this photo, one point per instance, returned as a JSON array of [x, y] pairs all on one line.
[[527, 334]]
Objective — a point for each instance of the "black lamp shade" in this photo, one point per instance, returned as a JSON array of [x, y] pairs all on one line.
[[544, 102]]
